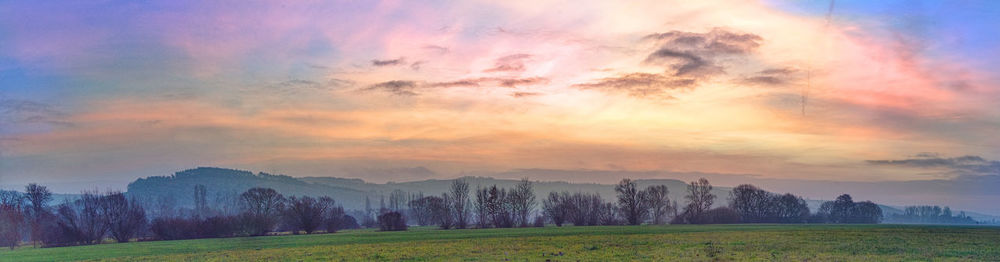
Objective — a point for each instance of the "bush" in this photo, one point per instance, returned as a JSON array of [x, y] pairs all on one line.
[[391, 221], [191, 228], [349, 223], [173, 228], [217, 226], [539, 221], [722, 215]]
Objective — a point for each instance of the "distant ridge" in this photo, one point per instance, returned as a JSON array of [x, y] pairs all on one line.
[[351, 192]]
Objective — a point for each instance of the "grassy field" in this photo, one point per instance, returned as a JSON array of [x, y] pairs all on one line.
[[673, 242]]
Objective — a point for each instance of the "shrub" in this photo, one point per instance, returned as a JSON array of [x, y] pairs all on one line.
[[391, 221], [539, 221], [721, 215]]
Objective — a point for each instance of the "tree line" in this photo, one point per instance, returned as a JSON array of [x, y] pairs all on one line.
[[930, 215], [94, 217]]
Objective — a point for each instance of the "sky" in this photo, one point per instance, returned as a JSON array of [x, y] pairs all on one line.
[[99, 93]]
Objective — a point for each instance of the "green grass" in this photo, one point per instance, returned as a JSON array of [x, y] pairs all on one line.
[[657, 243]]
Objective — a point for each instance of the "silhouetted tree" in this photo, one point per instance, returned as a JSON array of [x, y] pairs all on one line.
[[125, 217], [865, 212], [440, 209], [11, 224], [791, 209], [397, 200], [83, 221], [522, 202], [632, 202], [38, 198], [840, 210], [482, 207], [11, 198], [658, 202], [336, 219], [700, 199], [499, 207], [845, 210], [306, 213], [607, 214], [460, 202], [420, 210], [754, 205], [554, 207], [263, 208]]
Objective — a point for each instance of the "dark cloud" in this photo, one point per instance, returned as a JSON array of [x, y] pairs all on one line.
[[770, 77], [640, 84], [963, 165], [716, 42], [524, 94], [410, 88], [684, 63], [397, 87], [416, 65], [510, 63], [457, 83], [492, 81], [515, 82], [390, 62], [31, 112], [696, 54]]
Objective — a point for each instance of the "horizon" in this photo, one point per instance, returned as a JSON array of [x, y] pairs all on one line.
[[896, 100], [798, 189]]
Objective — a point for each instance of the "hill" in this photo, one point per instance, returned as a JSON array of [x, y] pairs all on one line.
[[224, 184]]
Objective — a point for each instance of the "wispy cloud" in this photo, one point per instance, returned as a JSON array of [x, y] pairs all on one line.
[[510, 63], [641, 85], [963, 165], [389, 62]]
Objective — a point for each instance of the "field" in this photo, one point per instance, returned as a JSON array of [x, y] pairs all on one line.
[[657, 243]]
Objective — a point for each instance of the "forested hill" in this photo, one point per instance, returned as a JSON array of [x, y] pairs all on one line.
[[223, 184]]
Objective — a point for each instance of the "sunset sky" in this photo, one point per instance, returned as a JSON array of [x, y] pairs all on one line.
[[109, 91]]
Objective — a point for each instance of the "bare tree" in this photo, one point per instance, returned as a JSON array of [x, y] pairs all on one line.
[[83, 220], [582, 208], [632, 202], [499, 207], [420, 210], [262, 208], [335, 216], [11, 222], [38, 199], [124, 217], [753, 204], [305, 214], [11, 198], [200, 200], [397, 200], [482, 207], [554, 207], [441, 210], [460, 202], [522, 200], [700, 199], [659, 203]]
